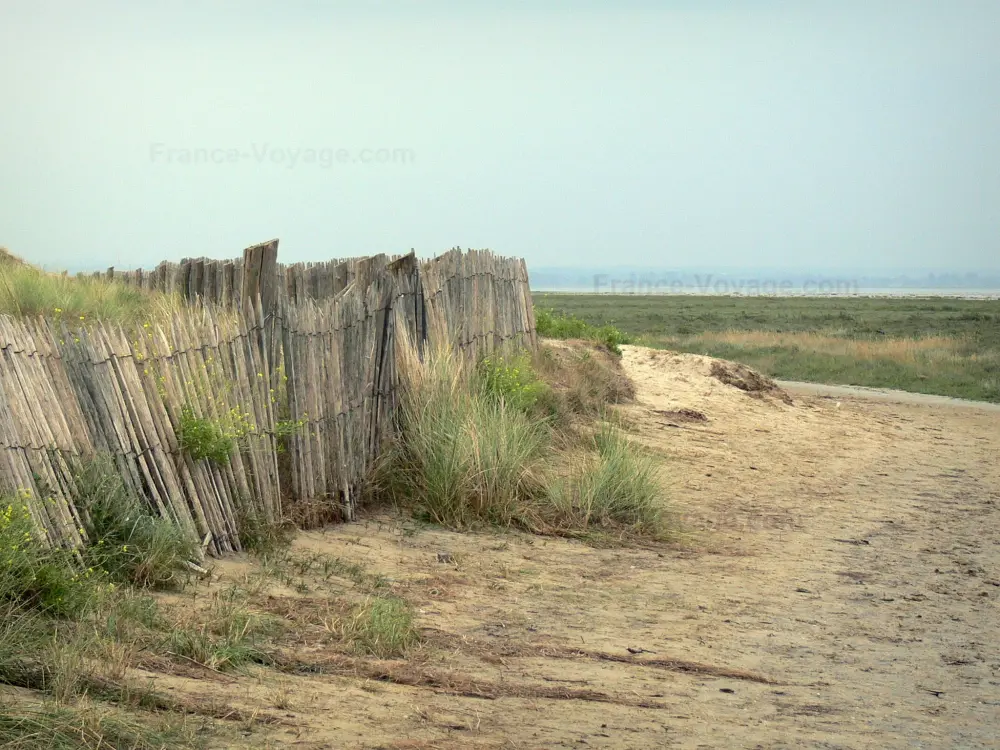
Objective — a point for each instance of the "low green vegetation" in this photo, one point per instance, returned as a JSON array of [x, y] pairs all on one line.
[[227, 635], [72, 728], [71, 620], [944, 346], [76, 625], [127, 543], [501, 445], [28, 292], [382, 627], [561, 325]]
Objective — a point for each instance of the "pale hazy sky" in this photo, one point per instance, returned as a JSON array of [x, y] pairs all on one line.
[[788, 134]]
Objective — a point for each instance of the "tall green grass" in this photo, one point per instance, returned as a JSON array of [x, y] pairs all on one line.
[[618, 487], [463, 456]]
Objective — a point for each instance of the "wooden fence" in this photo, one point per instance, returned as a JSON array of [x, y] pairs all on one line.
[[304, 382], [227, 283]]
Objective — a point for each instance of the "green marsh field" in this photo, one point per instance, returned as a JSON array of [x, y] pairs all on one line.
[[939, 345]]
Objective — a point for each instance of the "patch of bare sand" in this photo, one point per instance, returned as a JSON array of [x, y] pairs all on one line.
[[838, 588]]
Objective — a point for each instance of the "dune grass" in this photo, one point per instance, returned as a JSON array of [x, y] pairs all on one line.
[[465, 454], [617, 487], [943, 346], [474, 450], [28, 292]]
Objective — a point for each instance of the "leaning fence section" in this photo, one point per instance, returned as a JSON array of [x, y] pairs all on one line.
[[340, 360], [271, 394], [68, 394]]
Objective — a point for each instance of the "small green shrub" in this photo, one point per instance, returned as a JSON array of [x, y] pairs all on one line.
[[556, 325], [382, 627], [511, 381], [201, 438]]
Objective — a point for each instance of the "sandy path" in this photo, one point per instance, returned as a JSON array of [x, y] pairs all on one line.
[[874, 539], [884, 394], [847, 550]]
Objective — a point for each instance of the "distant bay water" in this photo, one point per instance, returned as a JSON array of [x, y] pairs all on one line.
[[766, 282], [987, 294]]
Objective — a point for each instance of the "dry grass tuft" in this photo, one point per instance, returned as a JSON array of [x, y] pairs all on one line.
[[586, 380]]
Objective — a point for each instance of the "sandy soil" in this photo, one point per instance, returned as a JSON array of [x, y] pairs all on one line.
[[837, 588]]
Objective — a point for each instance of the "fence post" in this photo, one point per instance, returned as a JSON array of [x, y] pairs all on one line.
[[260, 281], [260, 276]]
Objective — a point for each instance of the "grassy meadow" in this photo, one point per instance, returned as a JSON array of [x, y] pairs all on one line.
[[938, 345]]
